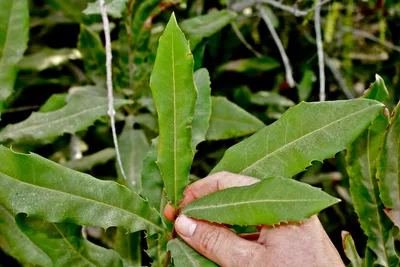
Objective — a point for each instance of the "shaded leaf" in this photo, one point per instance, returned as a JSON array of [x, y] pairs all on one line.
[[350, 250], [361, 167], [306, 132], [88, 162], [304, 88], [147, 120], [157, 249], [78, 114], [204, 26], [133, 146], [228, 120], [48, 58], [388, 164], [65, 245], [267, 98], [202, 112], [55, 101], [174, 95], [31, 184], [128, 247], [114, 8], [92, 50], [17, 244], [14, 31], [271, 201], [250, 65], [152, 181], [185, 256]]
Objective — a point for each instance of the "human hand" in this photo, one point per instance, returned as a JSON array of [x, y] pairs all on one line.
[[288, 245]]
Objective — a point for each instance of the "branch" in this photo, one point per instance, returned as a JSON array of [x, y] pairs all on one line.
[[294, 10], [111, 111], [243, 40], [320, 47], [285, 59], [338, 76]]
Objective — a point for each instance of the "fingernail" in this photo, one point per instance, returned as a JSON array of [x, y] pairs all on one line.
[[185, 226]]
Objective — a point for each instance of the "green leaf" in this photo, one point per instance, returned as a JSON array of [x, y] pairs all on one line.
[[200, 27], [88, 162], [228, 120], [114, 8], [184, 256], [78, 114], [271, 201], [267, 98], [147, 120], [55, 101], [14, 35], [128, 246], [361, 167], [153, 187], [388, 164], [92, 50], [157, 249], [250, 65], [133, 146], [306, 132], [48, 58], [350, 250], [15, 243], [65, 245], [304, 88], [202, 112], [174, 94], [377, 90], [31, 184]]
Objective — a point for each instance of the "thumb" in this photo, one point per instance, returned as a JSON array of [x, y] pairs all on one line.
[[218, 243]]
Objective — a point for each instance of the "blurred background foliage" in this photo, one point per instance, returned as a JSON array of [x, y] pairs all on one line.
[[231, 39]]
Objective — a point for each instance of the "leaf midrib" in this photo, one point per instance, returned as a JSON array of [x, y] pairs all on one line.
[[258, 201], [87, 199], [272, 153]]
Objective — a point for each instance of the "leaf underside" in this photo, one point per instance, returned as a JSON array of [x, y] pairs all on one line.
[[183, 255], [271, 201]]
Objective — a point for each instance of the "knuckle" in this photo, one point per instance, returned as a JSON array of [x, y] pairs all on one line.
[[209, 240]]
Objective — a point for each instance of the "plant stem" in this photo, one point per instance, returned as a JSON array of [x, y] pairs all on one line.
[[110, 96], [168, 256], [243, 40], [285, 59], [320, 47]]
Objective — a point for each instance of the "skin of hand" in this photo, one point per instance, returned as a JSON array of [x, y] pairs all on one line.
[[286, 245]]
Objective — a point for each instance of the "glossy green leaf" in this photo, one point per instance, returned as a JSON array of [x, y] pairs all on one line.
[[185, 256], [388, 167], [133, 146], [55, 101], [174, 95], [204, 26], [304, 88], [202, 112], [228, 120], [350, 250], [15, 243], [48, 58], [250, 65], [361, 168], [268, 98], [271, 201], [31, 184], [114, 8], [88, 162], [78, 114], [306, 132], [14, 30], [128, 246], [65, 245], [92, 50]]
